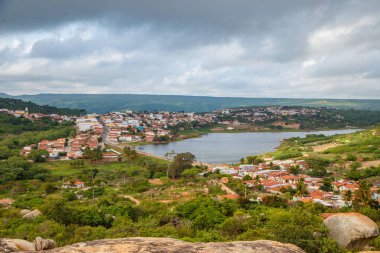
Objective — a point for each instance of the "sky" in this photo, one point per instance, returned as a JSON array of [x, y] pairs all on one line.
[[237, 48]]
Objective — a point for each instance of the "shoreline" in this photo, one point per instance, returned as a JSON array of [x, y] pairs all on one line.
[[234, 161], [194, 134]]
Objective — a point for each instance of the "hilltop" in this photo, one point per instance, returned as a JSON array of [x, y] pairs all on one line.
[[18, 104], [103, 103]]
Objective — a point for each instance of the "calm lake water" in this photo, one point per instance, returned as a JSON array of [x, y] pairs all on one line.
[[230, 147]]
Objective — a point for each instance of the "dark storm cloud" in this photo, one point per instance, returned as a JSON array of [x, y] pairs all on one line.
[[272, 48], [223, 15]]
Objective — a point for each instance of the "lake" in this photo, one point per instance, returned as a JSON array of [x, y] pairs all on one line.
[[230, 147]]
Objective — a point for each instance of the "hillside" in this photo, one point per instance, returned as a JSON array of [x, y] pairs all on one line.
[[355, 156], [103, 103], [18, 104]]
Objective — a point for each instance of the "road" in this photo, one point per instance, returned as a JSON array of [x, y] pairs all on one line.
[[138, 202]]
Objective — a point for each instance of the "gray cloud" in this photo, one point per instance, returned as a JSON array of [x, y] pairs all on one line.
[[273, 48]]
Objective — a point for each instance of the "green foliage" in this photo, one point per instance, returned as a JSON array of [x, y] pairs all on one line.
[[18, 168], [317, 166], [180, 163], [363, 195], [38, 155], [93, 155], [130, 153], [326, 185], [299, 226], [17, 104], [286, 154], [204, 213], [363, 174]]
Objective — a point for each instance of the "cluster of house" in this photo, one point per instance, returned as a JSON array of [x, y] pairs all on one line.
[[136, 127], [55, 148], [35, 116], [245, 116], [277, 180], [65, 149]]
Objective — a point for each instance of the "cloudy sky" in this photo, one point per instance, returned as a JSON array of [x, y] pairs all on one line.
[[282, 48]]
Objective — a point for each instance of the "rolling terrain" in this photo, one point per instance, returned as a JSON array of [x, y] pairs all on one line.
[[103, 103]]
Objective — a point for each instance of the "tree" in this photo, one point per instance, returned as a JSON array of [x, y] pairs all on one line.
[[326, 185], [247, 177], [93, 154], [130, 153], [363, 194], [49, 188], [301, 189], [181, 162], [295, 170], [348, 195], [38, 155], [5, 152], [317, 166]]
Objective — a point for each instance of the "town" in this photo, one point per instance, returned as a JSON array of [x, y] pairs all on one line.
[[120, 129]]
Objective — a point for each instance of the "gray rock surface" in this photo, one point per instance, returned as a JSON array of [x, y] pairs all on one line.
[[32, 215], [166, 245], [43, 244], [351, 230], [15, 245]]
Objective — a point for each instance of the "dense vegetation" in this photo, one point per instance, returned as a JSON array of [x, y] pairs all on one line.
[[18, 104], [104, 103], [73, 215]]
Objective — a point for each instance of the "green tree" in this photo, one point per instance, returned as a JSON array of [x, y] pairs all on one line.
[[49, 188], [38, 155], [130, 153], [326, 185], [93, 154], [348, 195], [181, 162], [302, 227], [363, 194], [295, 170], [301, 189]]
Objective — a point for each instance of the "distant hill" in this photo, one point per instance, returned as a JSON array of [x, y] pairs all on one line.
[[103, 103], [18, 104]]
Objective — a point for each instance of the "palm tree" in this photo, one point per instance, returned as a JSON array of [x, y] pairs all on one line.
[[363, 195], [301, 189]]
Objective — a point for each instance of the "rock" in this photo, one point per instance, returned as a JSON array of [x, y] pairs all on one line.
[[24, 211], [32, 215], [15, 245], [166, 245], [351, 230], [7, 201], [43, 244]]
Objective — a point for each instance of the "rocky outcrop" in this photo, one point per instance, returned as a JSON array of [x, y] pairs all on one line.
[[351, 230], [166, 245], [17, 245], [31, 214]]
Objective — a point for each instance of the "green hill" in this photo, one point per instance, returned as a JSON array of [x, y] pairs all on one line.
[[103, 103], [18, 104]]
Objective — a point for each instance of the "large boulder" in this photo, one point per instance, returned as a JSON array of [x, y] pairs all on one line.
[[351, 230], [15, 245], [147, 244]]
